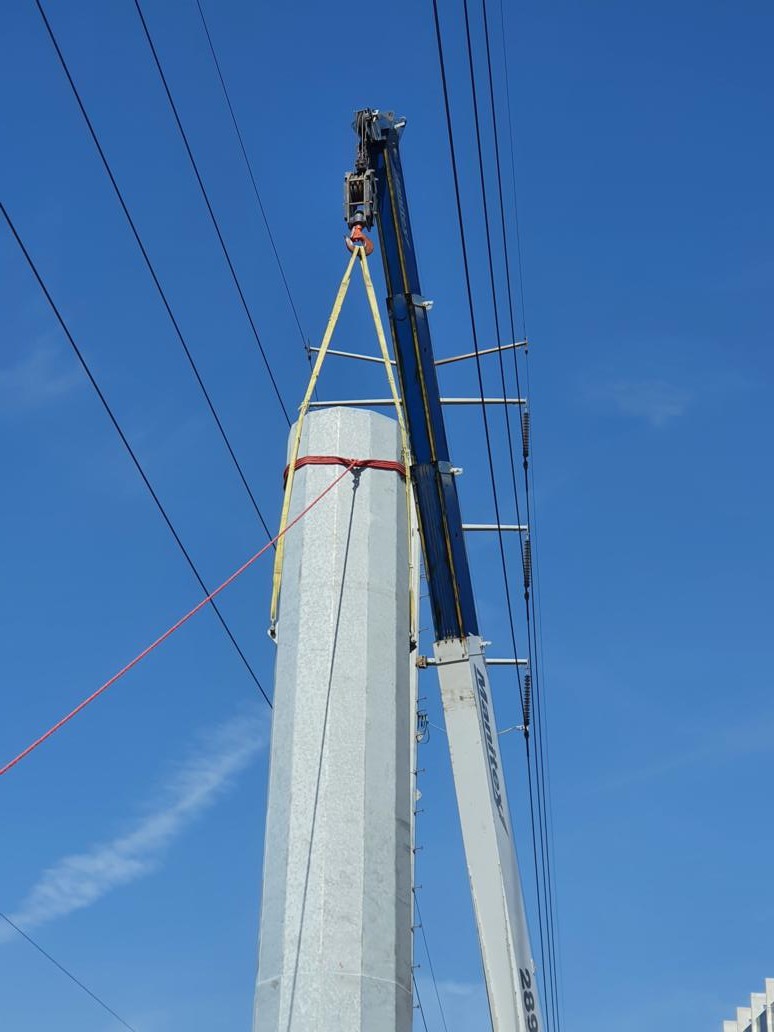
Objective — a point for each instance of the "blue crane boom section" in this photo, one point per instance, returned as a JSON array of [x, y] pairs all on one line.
[[376, 192]]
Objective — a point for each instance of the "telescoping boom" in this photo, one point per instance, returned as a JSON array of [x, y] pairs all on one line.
[[375, 193]]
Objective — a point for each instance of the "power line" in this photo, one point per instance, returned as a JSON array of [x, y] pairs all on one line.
[[350, 465], [495, 307], [69, 974], [205, 195], [534, 631], [149, 264], [506, 252], [541, 715], [130, 450], [471, 309], [545, 944], [250, 172], [486, 426], [543, 818], [513, 172], [430, 961], [419, 1001], [539, 751]]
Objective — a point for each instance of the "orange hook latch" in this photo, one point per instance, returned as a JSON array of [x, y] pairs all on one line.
[[357, 238]]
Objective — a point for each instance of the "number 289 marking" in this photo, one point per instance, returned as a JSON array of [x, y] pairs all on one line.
[[529, 1000]]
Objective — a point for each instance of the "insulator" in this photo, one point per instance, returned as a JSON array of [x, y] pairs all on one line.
[[525, 433], [527, 699], [527, 558]]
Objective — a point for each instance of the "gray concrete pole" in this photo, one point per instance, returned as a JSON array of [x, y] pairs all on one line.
[[335, 936]]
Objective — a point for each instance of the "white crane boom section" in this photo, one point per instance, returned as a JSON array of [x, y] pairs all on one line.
[[490, 851]]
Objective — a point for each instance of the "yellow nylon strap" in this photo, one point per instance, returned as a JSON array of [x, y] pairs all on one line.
[[405, 449], [279, 555], [358, 253]]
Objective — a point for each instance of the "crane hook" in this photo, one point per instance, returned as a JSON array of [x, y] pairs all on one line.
[[357, 238]]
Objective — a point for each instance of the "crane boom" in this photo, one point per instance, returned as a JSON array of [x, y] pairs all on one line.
[[375, 192]]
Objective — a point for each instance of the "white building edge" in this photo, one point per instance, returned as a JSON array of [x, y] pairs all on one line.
[[759, 1016]]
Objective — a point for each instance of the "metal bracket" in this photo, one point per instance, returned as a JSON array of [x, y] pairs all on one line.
[[352, 354], [389, 403], [516, 527], [482, 351], [427, 661]]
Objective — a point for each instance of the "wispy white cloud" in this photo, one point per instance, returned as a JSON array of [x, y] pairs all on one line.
[[717, 745], [656, 401], [41, 376], [80, 879], [465, 1007], [450, 987]]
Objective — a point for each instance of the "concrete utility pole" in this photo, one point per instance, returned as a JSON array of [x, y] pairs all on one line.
[[335, 939]]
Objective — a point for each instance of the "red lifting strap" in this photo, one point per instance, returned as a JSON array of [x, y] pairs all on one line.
[[339, 460]]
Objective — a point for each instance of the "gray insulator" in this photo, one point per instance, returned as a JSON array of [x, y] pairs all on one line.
[[527, 699], [525, 433], [527, 560]]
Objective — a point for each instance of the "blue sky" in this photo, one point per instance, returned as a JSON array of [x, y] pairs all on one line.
[[645, 164]]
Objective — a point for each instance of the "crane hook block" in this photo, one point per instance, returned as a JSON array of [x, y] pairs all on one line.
[[357, 238]]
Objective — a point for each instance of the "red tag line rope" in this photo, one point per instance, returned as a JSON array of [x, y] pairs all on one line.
[[338, 460], [351, 464]]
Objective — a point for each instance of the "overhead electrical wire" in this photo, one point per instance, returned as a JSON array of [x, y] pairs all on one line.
[[498, 168], [129, 449], [495, 306], [542, 716], [430, 962], [539, 752], [419, 1002], [149, 265], [248, 165], [543, 907], [70, 975], [534, 599], [471, 309], [533, 791], [351, 464], [212, 215], [544, 783], [517, 222]]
